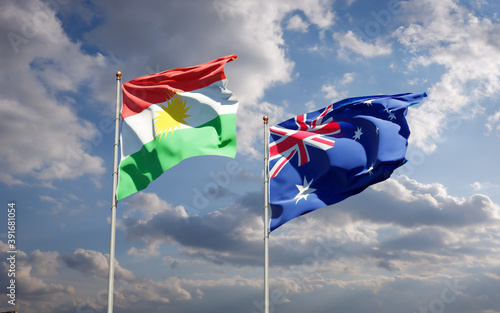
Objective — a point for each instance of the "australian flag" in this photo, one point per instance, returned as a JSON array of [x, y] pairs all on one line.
[[320, 158]]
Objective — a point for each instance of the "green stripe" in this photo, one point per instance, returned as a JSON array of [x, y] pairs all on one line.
[[216, 137]]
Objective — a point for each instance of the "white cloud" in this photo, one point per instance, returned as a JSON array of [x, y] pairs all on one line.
[[400, 226], [297, 23], [149, 251], [430, 204], [94, 263], [493, 125], [39, 61], [77, 293], [447, 34], [424, 217], [44, 263], [135, 292], [350, 43], [331, 92], [347, 78], [38, 295], [310, 105], [482, 185], [416, 81], [205, 237]]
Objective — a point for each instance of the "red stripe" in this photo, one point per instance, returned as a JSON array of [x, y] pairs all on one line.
[[329, 128], [324, 141], [303, 155], [326, 110], [142, 92], [281, 162], [278, 131]]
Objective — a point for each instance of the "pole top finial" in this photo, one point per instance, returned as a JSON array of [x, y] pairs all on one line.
[[118, 75], [265, 118]]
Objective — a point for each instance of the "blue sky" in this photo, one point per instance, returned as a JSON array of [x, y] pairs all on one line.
[[426, 240]]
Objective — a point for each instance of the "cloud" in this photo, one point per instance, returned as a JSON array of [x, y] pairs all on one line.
[[229, 236], [421, 219], [94, 263], [481, 186], [37, 294], [414, 204], [447, 34], [350, 43], [46, 139], [44, 263], [331, 92], [298, 287], [206, 237], [130, 290], [297, 23], [134, 292], [398, 225], [347, 78], [493, 125]]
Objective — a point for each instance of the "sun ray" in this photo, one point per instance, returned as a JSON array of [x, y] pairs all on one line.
[[171, 116]]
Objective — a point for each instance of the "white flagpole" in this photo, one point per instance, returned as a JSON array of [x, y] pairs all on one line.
[[266, 214], [111, 275]]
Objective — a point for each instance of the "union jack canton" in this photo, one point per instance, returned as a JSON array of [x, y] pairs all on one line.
[[296, 140]]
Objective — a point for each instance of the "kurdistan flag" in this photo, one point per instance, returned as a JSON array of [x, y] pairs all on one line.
[[171, 116]]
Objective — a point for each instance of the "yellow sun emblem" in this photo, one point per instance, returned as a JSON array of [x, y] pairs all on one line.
[[171, 116]]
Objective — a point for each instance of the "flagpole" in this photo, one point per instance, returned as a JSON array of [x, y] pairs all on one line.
[[111, 274], [266, 214]]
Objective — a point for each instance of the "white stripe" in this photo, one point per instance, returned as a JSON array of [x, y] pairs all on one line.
[[204, 105]]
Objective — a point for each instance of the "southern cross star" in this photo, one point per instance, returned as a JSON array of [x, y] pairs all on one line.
[[357, 134], [370, 170], [369, 102], [304, 190]]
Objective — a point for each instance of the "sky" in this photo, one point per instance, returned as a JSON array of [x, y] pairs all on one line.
[[425, 240]]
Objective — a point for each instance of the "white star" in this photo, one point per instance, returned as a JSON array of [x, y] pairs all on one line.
[[371, 169], [304, 190], [357, 134], [391, 115], [369, 102]]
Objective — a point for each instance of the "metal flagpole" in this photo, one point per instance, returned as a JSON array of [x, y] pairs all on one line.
[[266, 214], [111, 275]]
